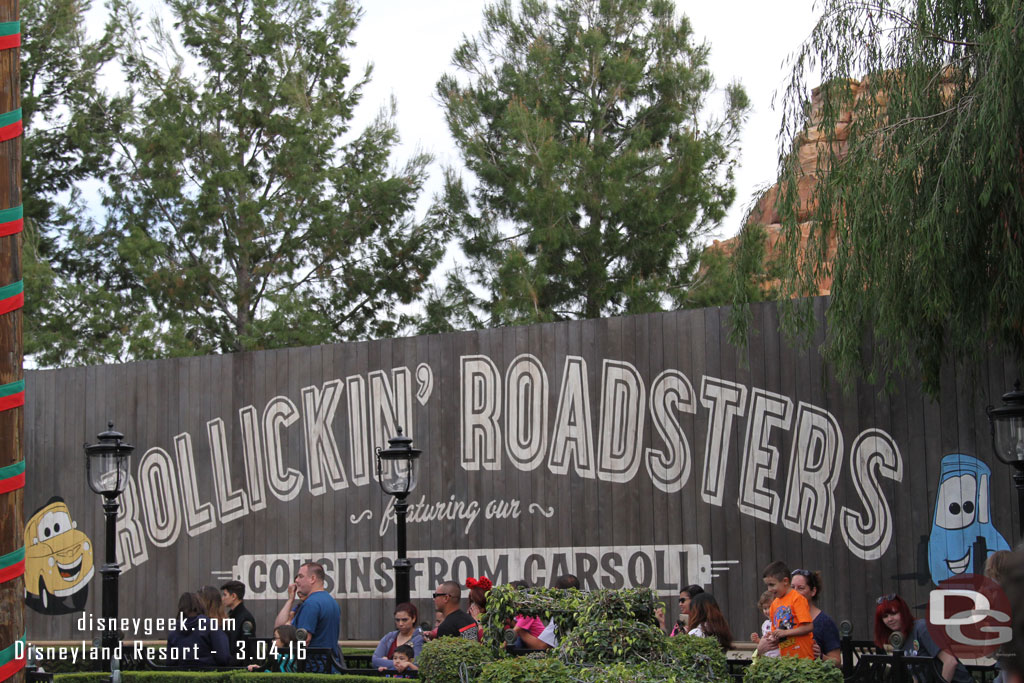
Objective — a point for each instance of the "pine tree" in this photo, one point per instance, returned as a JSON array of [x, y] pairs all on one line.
[[69, 124], [242, 211], [595, 165]]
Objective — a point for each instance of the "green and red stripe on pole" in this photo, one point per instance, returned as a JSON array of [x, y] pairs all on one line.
[[10, 663], [12, 395], [12, 478], [10, 34], [12, 296], [10, 125], [12, 565], [12, 221]]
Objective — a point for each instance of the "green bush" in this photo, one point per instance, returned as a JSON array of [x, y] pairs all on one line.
[[440, 659], [792, 670], [173, 676], [525, 670], [609, 636], [646, 672], [84, 663], [148, 677], [566, 607], [267, 677], [212, 677], [504, 602], [631, 604], [700, 655], [613, 641]]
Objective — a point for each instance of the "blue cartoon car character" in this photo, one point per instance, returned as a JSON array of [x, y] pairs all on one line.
[[962, 516]]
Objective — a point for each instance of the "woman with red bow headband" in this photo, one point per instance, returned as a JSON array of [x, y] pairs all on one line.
[[478, 589]]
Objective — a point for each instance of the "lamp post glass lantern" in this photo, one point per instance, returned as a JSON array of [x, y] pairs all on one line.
[[396, 474], [1007, 424], [106, 468]]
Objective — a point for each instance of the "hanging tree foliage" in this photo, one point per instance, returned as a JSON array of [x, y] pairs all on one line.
[[921, 183], [596, 165]]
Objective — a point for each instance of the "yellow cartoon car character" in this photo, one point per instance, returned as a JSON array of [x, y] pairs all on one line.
[[58, 560]]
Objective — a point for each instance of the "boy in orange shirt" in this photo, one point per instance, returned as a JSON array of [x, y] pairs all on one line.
[[792, 625]]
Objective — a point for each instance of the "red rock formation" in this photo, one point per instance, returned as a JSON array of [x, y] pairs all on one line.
[[812, 154]]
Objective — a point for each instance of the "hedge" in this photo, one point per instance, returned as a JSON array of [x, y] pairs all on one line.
[[792, 670], [647, 672], [212, 677], [613, 641], [701, 655], [85, 664], [566, 607], [441, 659], [525, 670]]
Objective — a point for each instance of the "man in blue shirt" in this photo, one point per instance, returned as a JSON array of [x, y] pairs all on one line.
[[319, 613]]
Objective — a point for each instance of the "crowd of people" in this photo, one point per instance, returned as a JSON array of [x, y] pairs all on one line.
[[218, 630], [212, 620], [217, 626]]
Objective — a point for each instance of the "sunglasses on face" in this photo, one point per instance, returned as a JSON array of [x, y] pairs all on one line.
[[441, 595], [886, 598]]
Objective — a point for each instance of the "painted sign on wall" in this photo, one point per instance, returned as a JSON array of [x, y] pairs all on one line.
[[633, 451]]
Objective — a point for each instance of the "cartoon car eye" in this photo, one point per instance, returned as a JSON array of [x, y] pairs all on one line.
[[955, 505], [53, 523]]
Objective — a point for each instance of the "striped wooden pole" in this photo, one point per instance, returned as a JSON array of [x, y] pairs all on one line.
[[12, 464]]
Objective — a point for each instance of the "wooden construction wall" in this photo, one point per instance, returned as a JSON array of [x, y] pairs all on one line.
[[634, 450]]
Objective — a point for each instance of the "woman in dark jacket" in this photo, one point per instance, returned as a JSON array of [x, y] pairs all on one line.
[[197, 642]]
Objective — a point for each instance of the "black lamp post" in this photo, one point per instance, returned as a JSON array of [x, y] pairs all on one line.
[[396, 474], [106, 468], [1007, 422]]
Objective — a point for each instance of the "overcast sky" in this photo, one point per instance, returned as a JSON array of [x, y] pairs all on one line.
[[410, 43]]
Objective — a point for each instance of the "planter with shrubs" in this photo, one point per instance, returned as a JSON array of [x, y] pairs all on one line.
[[607, 636]]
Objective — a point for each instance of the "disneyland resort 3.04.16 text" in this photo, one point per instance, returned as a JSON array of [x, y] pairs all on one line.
[[128, 626], [86, 652]]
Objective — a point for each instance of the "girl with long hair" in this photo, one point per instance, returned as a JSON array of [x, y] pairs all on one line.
[[892, 613], [196, 642], [210, 598], [686, 594], [707, 620]]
